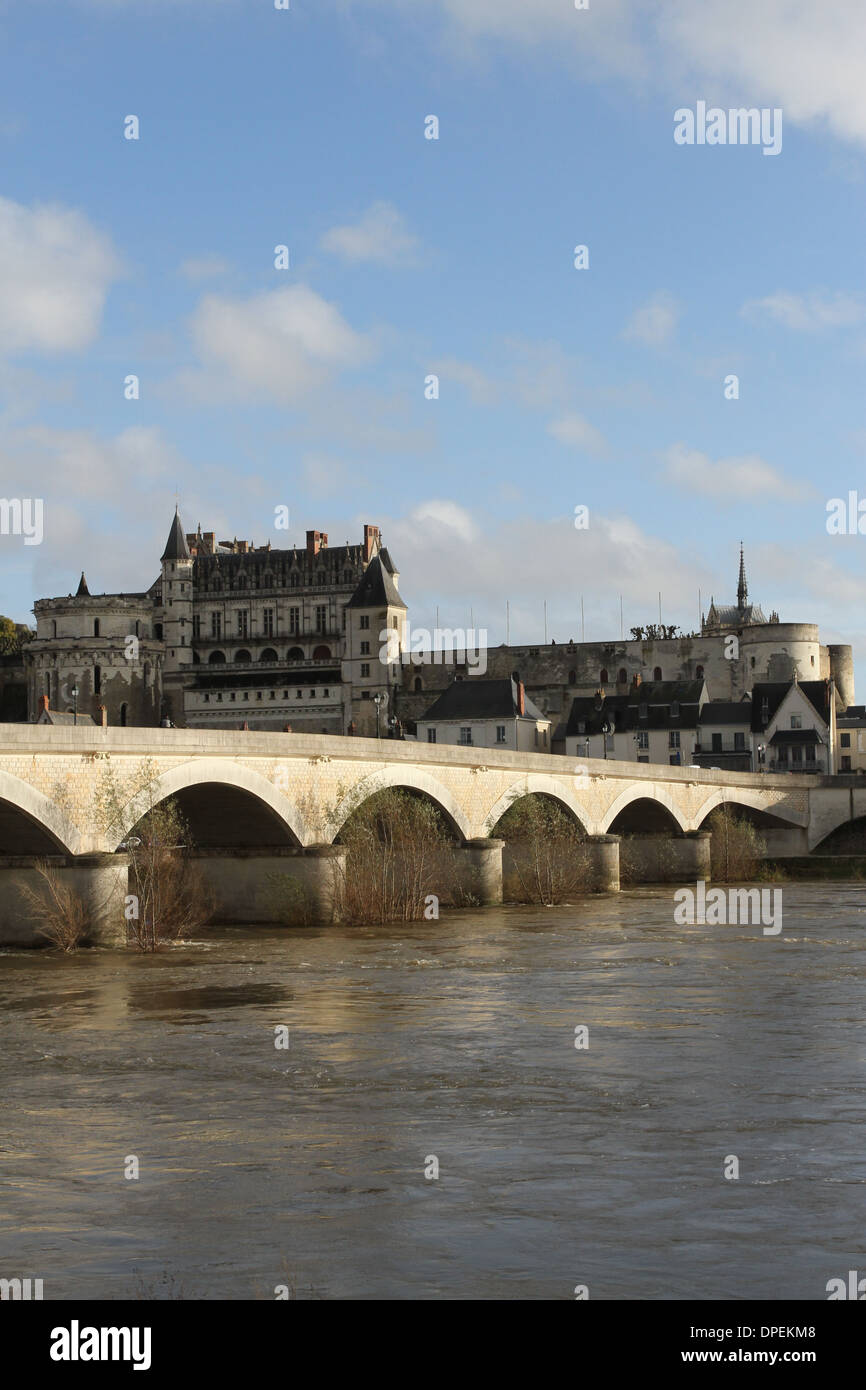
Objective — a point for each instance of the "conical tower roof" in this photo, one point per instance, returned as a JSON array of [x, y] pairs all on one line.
[[176, 547], [82, 591]]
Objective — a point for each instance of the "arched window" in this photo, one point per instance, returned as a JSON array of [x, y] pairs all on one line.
[[96, 627], [123, 716], [322, 653], [603, 677], [268, 655], [657, 673], [572, 678], [622, 678], [242, 655], [216, 658], [699, 673], [419, 684], [295, 654]]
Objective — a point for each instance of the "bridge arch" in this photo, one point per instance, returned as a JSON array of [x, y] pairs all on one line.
[[535, 784], [643, 791], [745, 799], [58, 832], [202, 772], [414, 779]]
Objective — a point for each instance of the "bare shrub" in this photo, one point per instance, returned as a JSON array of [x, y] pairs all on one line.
[[545, 849], [736, 848], [287, 901], [398, 852], [60, 912]]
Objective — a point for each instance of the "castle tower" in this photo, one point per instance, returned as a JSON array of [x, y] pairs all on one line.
[[177, 599]]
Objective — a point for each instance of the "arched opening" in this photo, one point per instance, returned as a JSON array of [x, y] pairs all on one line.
[[123, 715], [96, 627], [742, 837], [603, 677], [622, 676], [417, 685], [295, 654], [221, 816], [401, 847], [242, 656], [572, 677], [269, 655], [21, 833], [657, 673], [644, 816], [322, 653], [699, 673], [846, 839], [216, 659]]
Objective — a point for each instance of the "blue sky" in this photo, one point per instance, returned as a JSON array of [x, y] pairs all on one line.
[[558, 387]]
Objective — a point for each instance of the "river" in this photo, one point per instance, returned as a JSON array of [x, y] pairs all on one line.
[[558, 1165]]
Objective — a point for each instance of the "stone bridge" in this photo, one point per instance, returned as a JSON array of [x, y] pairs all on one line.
[[252, 799]]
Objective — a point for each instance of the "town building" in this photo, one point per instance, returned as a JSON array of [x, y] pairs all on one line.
[[480, 713], [851, 739]]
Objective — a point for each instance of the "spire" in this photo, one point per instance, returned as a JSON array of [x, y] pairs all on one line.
[[742, 587], [82, 591], [176, 547]]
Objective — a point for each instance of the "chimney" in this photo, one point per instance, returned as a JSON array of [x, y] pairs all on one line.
[[316, 541], [43, 704], [521, 698], [103, 716], [371, 541], [635, 681]]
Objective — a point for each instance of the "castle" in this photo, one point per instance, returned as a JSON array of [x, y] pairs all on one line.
[[232, 634]]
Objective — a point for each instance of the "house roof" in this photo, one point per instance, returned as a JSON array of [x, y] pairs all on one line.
[[646, 706], [786, 736], [55, 716], [377, 588], [774, 692], [726, 712], [475, 698]]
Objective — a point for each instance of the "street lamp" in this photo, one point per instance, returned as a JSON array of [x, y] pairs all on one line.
[[75, 704], [379, 700], [605, 730]]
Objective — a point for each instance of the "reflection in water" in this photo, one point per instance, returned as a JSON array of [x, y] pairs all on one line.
[[262, 1166]]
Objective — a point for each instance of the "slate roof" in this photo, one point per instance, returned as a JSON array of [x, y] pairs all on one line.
[[646, 706], [774, 692], [475, 698], [731, 615], [787, 736], [176, 547], [82, 591], [54, 716], [377, 588], [726, 712]]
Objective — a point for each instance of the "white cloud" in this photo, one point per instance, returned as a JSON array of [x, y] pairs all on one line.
[[55, 270], [572, 429], [282, 344], [732, 479], [654, 323], [207, 267], [807, 313], [442, 520], [381, 235]]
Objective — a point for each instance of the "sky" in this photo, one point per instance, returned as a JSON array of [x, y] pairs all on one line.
[[603, 387]]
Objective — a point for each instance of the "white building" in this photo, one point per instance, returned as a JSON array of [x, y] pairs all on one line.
[[476, 713]]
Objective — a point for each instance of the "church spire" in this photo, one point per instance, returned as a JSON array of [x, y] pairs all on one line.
[[742, 587], [176, 547]]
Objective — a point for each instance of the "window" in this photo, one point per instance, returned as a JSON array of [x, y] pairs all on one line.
[[123, 709], [602, 676], [536, 735], [675, 709], [365, 648], [216, 624], [643, 738], [326, 694], [365, 668], [674, 738], [846, 763], [431, 735], [243, 620], [196, 626], [206, 698], [466, 736], [269, 655], [299, 694], [294, 620], [500, 733], [321, 617], [643, 712], [312, 694], [739, 742], [796, 721], [418, 684], [699, 673], [622, 676], [845, 740], [258, 694], [232, 696], [657, 673], [243, 656], [796, 753], [364, 623], [157, 631], [572, 678], [96, 627], [268, 622], [97, 680], [717, 743]]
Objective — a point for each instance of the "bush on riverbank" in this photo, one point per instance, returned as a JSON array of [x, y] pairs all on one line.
[[60, 913], [399, 853], [737, 847]]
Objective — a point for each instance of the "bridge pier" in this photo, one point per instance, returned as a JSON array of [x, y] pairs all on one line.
[[480, 873], [99, 880], [681, 858], [294, 886], [602, 862]]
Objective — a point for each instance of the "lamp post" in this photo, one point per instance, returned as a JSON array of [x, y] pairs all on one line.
[[379, 700], [75, 704]]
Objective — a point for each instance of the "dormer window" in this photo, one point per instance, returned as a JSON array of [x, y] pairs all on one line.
[[675, 709]]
